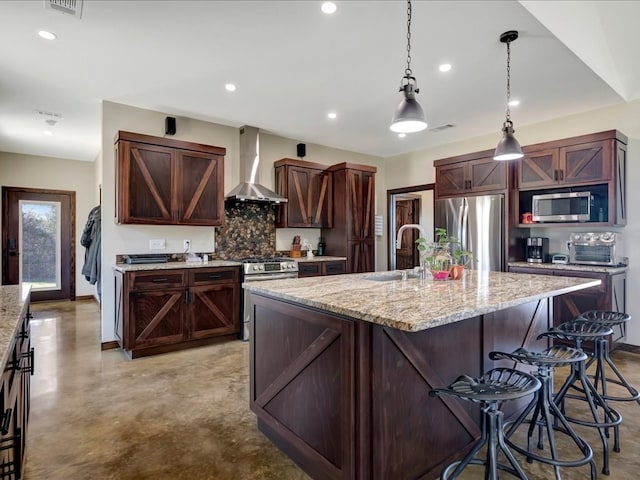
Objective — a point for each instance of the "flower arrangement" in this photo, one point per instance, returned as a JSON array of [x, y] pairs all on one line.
[[445, 257]]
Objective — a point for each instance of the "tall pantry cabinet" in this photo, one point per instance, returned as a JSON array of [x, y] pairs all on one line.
[[353, 235]]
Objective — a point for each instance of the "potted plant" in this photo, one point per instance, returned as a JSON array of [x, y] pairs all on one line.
[[445, 257]]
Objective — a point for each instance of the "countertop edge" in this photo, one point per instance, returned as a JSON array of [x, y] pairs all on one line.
[[571, 267], [9, 321], [125, 267]]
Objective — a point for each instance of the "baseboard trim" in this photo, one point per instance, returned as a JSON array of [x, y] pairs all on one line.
[[109, 345], [628, 348], [86, 297]]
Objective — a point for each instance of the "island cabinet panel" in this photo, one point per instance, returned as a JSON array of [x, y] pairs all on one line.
[[349, 399], [163, 181], [302, 386], [308, 189], [353, 235], [159, 311]]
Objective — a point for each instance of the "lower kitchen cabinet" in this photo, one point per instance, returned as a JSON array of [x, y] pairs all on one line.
[[15, 400], [318, 268], [160, 311], [610, 295]]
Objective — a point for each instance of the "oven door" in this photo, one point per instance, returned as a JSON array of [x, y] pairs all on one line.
[[246, 313]]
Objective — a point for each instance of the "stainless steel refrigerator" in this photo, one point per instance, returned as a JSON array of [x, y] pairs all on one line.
[[478, 223]]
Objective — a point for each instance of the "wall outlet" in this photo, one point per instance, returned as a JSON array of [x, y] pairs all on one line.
[[186, 245], [157, 244]]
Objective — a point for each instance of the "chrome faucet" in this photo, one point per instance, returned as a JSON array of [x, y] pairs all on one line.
[[422, 231]]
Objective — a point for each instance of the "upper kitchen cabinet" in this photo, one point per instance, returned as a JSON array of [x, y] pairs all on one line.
[[594, 163], [353, 235], [163, 181], [469, 174], [308, 187]]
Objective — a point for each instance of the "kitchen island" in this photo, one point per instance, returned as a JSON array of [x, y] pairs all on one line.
[[341, 366]]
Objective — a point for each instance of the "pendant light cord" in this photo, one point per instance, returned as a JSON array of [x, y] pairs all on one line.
[[508, 81], [408, 72]]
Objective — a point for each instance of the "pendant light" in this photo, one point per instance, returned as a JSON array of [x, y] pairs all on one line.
[[508, 147], [409, 116]]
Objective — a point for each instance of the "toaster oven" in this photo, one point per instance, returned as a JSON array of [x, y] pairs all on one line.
[[593, 249]]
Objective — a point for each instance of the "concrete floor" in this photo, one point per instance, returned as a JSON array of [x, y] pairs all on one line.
[[185, 415]]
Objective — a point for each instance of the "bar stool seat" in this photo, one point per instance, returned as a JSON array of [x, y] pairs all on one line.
[[604, 417], [602, 358], [490, 390], [546, 415]]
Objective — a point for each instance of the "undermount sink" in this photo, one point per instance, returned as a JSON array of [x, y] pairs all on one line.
[[390, 276]]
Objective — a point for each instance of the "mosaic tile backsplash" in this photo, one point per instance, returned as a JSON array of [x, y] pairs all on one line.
[[249, 231]]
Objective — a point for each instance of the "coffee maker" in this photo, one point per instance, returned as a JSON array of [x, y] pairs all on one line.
[[537, 250]]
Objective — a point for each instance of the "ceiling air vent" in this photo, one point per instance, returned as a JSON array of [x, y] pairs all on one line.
[[68, 7], [441, 128]]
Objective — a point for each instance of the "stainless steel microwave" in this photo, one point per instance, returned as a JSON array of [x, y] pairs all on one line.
[[561, 207]]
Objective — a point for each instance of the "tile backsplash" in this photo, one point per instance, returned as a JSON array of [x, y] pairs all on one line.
[[249, 230]]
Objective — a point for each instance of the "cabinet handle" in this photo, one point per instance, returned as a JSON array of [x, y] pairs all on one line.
[[561, 172], [213, 276], [6, 420], [186, 296], [555, 175], [159, 280]]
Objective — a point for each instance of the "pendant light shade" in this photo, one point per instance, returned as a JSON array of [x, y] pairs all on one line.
[[409, 116], [508, 147]]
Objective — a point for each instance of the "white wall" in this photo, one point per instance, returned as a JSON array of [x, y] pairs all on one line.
[[122, 239], [417, 168], [30, 171]]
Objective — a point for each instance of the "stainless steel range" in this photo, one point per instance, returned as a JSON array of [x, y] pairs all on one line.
[[260, 270]]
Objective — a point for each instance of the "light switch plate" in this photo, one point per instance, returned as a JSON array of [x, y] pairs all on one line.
[[157, 244]]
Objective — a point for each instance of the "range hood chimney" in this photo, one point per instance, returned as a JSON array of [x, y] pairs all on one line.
[[250, 189]]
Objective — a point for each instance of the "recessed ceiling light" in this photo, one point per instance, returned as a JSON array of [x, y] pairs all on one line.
[[445, 67], [47, 35], [402, 135], [514, 103], [329, 8], [230, 87], [332, 115], [47, 132]]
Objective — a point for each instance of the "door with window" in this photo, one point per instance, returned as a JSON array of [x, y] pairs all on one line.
[[38, 241]]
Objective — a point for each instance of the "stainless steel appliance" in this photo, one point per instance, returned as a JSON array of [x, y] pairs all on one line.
[[478, 222], [562, 207], [260, 270], [537, 250], [593, 248]]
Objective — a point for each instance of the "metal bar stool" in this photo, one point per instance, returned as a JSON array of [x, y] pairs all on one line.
[[579, 332], [490, 390], [546, 415], [601, 354]]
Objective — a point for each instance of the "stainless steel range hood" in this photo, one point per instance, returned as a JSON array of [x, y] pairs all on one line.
[[250, 189]]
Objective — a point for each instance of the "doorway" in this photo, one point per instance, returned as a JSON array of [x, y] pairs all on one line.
[[408, 205], [38, 241]]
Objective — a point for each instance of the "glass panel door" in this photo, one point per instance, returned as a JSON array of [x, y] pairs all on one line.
[[39, 233]]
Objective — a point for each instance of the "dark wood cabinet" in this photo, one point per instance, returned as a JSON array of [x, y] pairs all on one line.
[[321, 267], [464, 176], [594, 163], [610, 295], [15, 398], [308, 188], [168, 182], [352, 235], [167, 310]]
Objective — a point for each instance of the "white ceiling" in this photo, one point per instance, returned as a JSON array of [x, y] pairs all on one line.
[[293, 64]]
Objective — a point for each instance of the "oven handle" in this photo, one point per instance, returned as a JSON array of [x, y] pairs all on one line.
[[260, 278]]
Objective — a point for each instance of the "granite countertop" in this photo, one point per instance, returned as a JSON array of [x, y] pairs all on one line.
[[125, 267], [14, 302], [414, 304], [316, 258], [575, 268]]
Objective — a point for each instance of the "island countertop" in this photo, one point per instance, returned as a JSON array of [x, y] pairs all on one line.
[[14, 302], [413, 305]]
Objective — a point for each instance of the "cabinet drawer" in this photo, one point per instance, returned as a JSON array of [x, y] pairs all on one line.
[[310, 269], [213, 275], [335, 268], [157, 280]]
